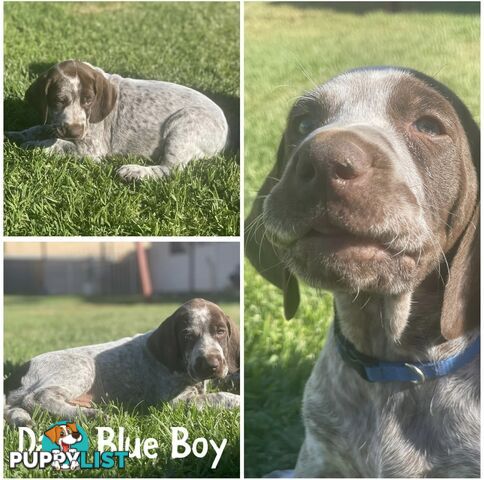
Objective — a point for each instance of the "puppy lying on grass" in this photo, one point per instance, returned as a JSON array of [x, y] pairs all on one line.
[[90, 113], [198, 342]]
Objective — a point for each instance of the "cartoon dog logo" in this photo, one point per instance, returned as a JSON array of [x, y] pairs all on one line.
[[65, 436]]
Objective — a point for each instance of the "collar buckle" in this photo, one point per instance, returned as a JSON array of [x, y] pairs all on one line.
[[417, 371]]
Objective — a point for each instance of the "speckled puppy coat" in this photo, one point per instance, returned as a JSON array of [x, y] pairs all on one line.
[[88, 112]]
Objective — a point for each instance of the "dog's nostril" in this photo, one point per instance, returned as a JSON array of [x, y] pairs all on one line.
[[344, 171], [305, 170]]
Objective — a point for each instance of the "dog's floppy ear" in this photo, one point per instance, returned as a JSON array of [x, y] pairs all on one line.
[[36, 95], [261, 253], [460, 309], [53, 434], [233, 354], [105, 98], [163, 343]]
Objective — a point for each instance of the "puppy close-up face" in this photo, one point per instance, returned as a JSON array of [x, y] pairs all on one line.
[[68, 97], [370, 170]]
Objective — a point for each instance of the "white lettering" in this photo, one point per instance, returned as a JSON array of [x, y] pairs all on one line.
[[150, 444], [21, 436], [175, 442], [105, 443], [204, 447]]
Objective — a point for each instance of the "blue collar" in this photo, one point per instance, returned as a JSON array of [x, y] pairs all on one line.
[[372, 370]]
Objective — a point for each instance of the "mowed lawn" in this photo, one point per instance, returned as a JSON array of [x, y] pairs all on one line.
[[34, 325], [193, 44], [289, 49]]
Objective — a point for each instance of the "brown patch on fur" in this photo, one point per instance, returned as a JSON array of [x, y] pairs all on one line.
[[85, 400], [42, 93], [168, 342]]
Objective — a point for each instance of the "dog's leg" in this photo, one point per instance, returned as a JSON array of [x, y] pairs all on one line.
[[140, 172], [17, 417], [84, 400], [39, 132], [311, 462], [219, 399], [189, 134], [55, 401], [216, 399], [52, 146]]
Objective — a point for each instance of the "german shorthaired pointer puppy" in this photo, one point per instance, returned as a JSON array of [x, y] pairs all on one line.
[[88, 112], [374, 196], [196, 343]]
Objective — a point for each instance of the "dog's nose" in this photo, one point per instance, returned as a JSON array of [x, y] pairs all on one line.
[[73, 131], [76, 434], [332, 159], [212, 362], [209, 364]]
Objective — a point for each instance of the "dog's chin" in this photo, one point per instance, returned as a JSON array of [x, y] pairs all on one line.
[[200, 377], [73, 139], [350, 264]]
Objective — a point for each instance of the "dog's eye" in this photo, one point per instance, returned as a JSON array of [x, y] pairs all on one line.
[[86, 100], [429, 126], [305, 125], [220, 331]]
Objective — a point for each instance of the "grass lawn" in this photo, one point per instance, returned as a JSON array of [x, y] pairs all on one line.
[[194, 44], [39, 324], [288, 49]]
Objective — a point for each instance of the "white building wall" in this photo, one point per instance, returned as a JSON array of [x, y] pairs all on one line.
[[169, 272], [200, 267]]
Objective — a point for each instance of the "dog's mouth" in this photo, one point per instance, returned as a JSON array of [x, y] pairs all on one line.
[[330, 239], [333, 257], [200, 374], [65, 134]]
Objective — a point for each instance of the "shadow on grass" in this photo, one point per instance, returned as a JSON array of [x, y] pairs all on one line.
[[467, 8], [18, 115]]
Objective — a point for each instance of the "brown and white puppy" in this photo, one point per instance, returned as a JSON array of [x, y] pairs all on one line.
[[374, 196], [87, 112], [198, 342]]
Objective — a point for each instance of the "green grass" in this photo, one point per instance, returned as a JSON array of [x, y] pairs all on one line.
[[194, 44], [38, 324], [288, 49]]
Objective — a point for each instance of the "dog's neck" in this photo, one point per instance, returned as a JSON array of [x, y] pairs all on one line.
[[393, 328]]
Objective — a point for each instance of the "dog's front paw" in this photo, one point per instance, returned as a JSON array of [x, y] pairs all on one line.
[[130, 173], [48, 145], [15, 137]]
